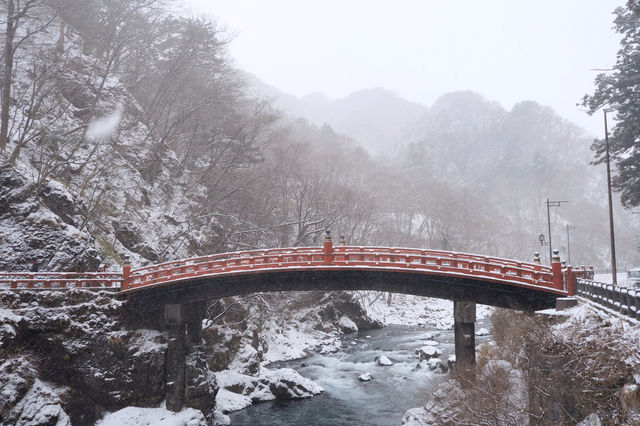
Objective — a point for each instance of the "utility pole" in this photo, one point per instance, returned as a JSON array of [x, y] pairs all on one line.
[[551, 204], [611, 232], [569, 243]]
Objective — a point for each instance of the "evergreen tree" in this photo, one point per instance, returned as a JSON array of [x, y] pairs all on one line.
[[620, 90]]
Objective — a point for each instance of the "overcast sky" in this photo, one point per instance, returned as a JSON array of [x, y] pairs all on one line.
[[507, 50]]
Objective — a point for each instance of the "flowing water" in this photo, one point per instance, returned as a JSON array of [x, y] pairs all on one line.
[[349, 401]]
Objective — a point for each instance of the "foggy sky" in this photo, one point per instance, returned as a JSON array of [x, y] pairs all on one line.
[[506, 50]]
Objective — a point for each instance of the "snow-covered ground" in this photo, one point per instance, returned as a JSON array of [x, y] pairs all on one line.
[[136, 416], [415, 310], [621, 278]]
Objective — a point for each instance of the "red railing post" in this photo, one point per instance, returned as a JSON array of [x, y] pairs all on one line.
[[328, 248], [572, 286], [556, 270], [126, 273]]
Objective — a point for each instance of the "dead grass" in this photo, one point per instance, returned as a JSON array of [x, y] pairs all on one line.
[[529, 374]]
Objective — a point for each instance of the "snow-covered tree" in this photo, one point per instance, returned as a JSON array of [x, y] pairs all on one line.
[[620, 90]]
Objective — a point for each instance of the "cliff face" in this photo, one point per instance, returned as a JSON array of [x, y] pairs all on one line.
[[66, 357], [41, 223]]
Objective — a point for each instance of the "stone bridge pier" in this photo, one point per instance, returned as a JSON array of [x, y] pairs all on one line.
[[464, 316], [183, 323]]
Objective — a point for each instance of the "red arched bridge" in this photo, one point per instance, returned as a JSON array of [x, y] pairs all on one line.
[[457, 276], [173, 295]]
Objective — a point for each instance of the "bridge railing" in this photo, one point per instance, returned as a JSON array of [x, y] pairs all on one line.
[[428, 261], [622, 299], [467, 265], [59, 280]]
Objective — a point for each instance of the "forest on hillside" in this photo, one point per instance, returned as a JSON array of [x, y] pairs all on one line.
[[126, 127]]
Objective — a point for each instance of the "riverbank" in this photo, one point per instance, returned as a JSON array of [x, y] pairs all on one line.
[[567, 367], [330, 351], [337, 361]]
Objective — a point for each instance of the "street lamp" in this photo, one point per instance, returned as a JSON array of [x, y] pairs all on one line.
[[541, 239], [543, 242], [551, 204], [611, 232]]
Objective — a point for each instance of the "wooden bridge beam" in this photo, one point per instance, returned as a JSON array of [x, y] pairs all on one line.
[[464, 313]]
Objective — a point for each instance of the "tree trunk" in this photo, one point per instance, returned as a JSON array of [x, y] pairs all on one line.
[[7, 75]]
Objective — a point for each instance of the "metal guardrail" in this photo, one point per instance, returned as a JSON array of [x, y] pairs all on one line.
[[622, 299]]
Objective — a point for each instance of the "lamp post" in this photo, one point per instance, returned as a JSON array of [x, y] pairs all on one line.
[[611, 231], [543, 242], [551, 204]]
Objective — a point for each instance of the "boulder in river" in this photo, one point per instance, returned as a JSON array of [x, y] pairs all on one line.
[[434, 363], [384, 361], [366, 377], [427, 352], [347, 325]]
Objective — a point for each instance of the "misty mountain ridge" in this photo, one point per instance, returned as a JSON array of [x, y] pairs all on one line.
[[461, 134], [469, 145], [377, 118]]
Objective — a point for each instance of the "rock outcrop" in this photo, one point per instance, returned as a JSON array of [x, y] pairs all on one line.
[[42, 222], [70, 351]]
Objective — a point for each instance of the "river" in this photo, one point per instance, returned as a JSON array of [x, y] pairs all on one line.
[[349, 401]]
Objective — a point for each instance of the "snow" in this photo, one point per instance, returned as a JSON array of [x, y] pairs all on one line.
[[434, 363], [104, 127], [8, 315], [135, 416], [291, 375], [41, 405], [591, 420], [621, 279], [238, 391], [366, 377], [227, 401], [418, 311], [348, 324], [290, 342], [482, 332], [427, 352], [148, 341]]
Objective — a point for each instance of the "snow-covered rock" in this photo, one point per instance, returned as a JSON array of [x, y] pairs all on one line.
[[331, 347], [238, 391], [591, 420], [347, 325], [415, 417], [228, 401], [26, 400], [221, 419], [286, 383], [482, 332], [366, 377], [384, 361], [135, 416], [93, 354], [434, 363], [427, 352]]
